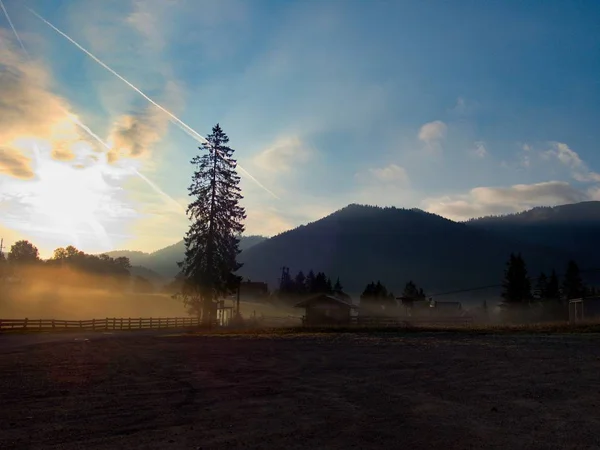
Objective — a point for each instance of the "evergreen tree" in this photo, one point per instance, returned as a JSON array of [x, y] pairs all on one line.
[[376, 297], [516, 284], [553, 287], [573, 286], [310, 282], [541, 287], [337, 287], [300, 283], [212, 241]]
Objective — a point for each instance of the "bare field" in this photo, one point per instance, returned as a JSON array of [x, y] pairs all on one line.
[[418, 390]]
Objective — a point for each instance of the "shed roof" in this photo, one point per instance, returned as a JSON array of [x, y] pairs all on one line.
[[306, 302]]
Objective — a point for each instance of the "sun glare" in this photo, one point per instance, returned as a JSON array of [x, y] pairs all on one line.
[[70, 199]]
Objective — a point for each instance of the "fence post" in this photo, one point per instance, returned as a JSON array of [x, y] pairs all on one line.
[[129, 324], [80, 324], [150, 322], [25, 322], [93, 324], [53, 324], [140, 327], [121, 323]]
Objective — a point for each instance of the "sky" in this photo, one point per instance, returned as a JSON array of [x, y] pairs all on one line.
[[463, 109]]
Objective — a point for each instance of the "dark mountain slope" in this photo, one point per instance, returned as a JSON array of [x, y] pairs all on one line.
[[573, 227], [364, 243]]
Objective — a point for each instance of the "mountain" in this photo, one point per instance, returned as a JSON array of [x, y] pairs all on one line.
[[574, 227], [364, 243], [164, 261]]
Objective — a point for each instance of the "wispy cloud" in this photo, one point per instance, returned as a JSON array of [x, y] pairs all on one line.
[[31, 114], [284, 155], [480, 149], [483, 201], [570, 159], [432, 134]]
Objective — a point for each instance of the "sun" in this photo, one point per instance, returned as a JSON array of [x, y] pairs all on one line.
[[70, 199]]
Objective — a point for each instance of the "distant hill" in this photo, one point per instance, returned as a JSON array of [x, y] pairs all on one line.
[[363, 243], [574, 227], [164, 261]]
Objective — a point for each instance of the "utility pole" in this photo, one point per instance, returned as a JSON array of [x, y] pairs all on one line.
[[2, 247]]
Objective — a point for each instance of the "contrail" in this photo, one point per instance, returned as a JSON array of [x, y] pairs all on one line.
[[185, 127], [86, 128], [10, 22]]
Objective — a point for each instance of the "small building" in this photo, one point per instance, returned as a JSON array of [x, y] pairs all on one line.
[[581, 309], [324, 309]]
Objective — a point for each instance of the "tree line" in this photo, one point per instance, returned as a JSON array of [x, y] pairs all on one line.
[[23, 261], [549, 291]]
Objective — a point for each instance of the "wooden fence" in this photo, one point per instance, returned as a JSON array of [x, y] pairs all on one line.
[[112, 324]]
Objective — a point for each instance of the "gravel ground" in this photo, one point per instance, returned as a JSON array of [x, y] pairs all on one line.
[[417, 391]]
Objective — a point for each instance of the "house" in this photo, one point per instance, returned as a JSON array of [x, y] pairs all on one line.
[[584, 309], [325, 309]]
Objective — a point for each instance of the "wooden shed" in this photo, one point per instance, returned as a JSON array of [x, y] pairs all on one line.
[[581, 309], [326, 309]]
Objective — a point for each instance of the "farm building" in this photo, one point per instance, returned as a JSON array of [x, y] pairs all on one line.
[[584, 309], [324, 309]]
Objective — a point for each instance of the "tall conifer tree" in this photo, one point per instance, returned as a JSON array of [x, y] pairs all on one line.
[[212, 241]]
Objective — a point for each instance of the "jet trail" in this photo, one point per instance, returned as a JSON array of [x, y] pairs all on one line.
[[86, 128], [182, 125], [10, 22]]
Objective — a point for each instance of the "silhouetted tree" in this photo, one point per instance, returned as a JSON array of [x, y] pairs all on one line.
[[573, 286], [541, 287], [376, 298], [337, 287], [516, 284], [300, 283], [23, 253], [553, 287], [212, 241], [310, 282]]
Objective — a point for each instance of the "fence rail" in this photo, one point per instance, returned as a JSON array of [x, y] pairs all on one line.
[[106, 324]]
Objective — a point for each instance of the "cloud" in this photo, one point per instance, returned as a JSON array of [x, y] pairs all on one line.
[[480, 150], [134, 135], [483, 201], [31, 114], [570, 159], [432, 133], [389, 175], [13, 163], [284, 155]]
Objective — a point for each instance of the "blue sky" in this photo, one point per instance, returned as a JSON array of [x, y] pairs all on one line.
[[461, 108]]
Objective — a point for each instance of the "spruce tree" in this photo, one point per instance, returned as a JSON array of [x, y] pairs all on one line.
[[553, 287], [337, 287], [310, 282], [516, 284], [573, 286], [212, 241], [300, 283], [541, 287]]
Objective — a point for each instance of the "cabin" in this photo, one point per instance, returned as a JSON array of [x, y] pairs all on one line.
[[581, 309], [325, 309]]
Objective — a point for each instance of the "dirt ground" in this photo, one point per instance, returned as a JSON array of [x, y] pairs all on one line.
[[417, 391]]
